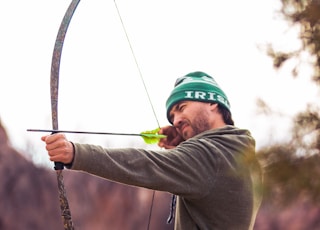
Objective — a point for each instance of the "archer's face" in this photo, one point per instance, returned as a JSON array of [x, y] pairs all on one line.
[[191, 117]]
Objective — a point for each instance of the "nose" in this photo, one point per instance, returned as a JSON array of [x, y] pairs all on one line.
[[177, 121]]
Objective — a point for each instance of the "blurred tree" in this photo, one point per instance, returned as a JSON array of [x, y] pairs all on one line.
[[305, 14], [292, 169]]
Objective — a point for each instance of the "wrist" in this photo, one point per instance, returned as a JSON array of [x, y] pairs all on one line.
[[69, 165]]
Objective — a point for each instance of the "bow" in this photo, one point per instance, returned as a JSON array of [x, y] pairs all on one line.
[[149, 136], [54, 88]]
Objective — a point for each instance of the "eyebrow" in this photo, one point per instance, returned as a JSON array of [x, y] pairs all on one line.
[[175, 107]]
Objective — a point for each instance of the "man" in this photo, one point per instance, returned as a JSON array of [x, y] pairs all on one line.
[[207, 162]]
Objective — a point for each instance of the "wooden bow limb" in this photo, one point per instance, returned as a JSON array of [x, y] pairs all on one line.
[[54, 88]]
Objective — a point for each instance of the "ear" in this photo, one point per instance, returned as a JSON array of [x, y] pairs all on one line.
[[213, 106]]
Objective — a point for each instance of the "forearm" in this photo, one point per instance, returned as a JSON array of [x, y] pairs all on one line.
[[164, 170], [128, 166]]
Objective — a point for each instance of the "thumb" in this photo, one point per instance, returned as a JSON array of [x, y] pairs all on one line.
[[43, 138]]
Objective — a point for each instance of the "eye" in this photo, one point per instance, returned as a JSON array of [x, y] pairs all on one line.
[[181, 107], [171, 118]]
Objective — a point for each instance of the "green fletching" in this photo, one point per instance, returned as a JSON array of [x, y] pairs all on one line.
[[152, 137]]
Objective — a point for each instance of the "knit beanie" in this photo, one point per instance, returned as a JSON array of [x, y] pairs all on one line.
[[196, 86]]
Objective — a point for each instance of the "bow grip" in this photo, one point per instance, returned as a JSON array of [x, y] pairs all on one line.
[[58, 165]]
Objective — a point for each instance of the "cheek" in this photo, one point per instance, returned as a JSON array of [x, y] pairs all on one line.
[[201, 120]]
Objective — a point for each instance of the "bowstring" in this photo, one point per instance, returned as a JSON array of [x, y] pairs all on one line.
[[147, 92], [137, 65]]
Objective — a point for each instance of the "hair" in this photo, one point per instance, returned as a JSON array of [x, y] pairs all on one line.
[[226, 114]]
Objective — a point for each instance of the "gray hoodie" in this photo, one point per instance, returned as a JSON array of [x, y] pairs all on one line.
[[214, 175]]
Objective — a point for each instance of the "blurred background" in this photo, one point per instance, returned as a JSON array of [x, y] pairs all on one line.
[[264, 54]]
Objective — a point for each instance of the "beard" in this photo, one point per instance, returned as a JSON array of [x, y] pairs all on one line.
[[199, 124]]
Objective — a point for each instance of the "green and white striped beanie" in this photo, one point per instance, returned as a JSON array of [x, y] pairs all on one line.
[[196, 86]]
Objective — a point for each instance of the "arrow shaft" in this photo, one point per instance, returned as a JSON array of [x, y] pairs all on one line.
[[88, 132]]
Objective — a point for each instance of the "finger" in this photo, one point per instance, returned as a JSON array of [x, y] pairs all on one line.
[[176, 140], [163, 141], [64, 153], [43, 138], [165, 129], [51, 154], [54, 143], [54, 137], [160, 144], [56, 157], [168, 146]]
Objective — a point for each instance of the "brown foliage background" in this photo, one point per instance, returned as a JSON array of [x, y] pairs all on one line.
[[29, 198]]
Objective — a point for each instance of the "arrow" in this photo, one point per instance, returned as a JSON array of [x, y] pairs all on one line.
[[150, 137]]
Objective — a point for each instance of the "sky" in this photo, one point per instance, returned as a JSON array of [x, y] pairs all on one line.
[[100, 87]]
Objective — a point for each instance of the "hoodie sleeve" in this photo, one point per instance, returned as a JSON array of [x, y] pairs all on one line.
[[190, 170], [181, 171]]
